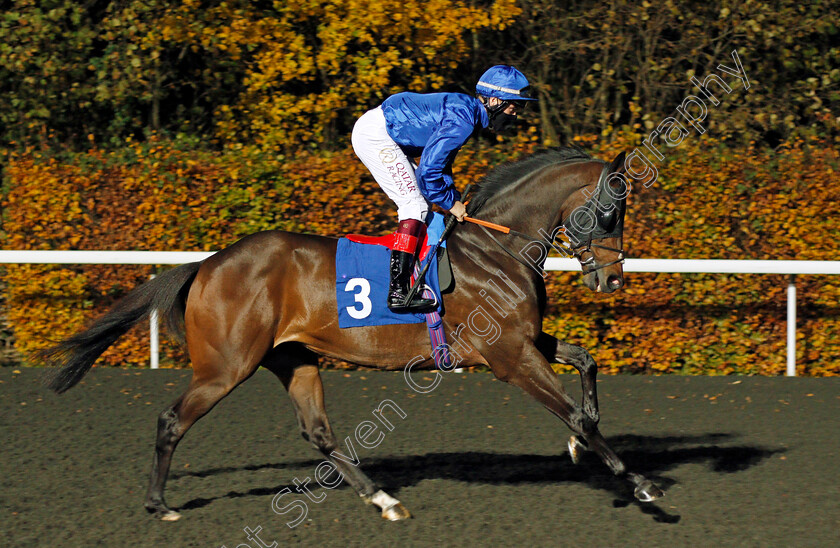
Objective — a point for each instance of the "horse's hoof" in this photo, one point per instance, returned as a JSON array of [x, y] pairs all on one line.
[[648, 492], [392, 509], [397, 512], [163, 513], [171, 515], [576, 449]]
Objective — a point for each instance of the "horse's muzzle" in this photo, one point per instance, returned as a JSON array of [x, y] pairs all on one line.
[[614, 283], [603, 283]]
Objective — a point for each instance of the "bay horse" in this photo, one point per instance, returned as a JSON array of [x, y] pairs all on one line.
[[269, 300]]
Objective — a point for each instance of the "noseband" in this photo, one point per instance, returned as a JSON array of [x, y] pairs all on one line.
[[590, 260]]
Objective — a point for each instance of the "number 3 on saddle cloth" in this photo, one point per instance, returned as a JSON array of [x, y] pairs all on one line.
[[361, 280]]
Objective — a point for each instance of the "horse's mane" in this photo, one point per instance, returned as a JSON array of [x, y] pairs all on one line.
[[508, 173]]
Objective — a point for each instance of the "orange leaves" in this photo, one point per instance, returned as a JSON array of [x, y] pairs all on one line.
[[160, 196], [334, 195], [143, 197], [710, 202]]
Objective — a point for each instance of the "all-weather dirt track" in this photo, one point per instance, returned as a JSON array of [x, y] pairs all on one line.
[[744, 461]]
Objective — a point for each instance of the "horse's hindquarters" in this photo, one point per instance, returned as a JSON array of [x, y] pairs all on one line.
[[278, 287]]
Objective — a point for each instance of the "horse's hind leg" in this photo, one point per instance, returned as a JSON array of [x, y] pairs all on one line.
[[297, 371], [203, 392]]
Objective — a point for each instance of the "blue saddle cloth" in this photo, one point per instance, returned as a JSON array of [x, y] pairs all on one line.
[[361, 281]]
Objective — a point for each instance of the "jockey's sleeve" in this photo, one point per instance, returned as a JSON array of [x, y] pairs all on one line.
[[434, 172]]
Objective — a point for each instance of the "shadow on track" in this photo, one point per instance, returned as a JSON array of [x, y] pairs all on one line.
[[651, 455], [209, 472], [201, 502]]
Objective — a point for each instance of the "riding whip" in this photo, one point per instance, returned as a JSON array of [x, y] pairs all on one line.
[[450, 224], [488, 224]]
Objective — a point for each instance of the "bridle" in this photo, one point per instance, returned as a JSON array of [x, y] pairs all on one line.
[[583, 254], [584, 263], [608, 225]]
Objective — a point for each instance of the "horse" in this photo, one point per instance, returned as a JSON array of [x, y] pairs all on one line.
[[269, 300]]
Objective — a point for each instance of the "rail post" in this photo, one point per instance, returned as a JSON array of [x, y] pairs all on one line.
[[791, 326], [153, 336]]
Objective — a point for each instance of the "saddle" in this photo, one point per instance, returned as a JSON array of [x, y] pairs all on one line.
[[445, 279]]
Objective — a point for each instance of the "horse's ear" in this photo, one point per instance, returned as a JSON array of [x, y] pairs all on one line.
[[617, 165]]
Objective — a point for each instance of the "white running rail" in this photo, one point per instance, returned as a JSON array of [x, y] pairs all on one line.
[[686, 266], [720, 266]]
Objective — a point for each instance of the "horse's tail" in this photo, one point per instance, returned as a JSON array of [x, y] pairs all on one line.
[[166, 293]]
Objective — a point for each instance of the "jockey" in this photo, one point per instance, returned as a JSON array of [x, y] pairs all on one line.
[[433, 127]]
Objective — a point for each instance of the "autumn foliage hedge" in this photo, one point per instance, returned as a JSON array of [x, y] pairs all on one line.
[[709, 202]]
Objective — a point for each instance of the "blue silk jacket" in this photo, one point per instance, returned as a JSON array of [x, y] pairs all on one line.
[[434, 126]]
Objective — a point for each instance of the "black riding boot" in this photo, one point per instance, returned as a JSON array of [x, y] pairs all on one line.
[[402, 265]]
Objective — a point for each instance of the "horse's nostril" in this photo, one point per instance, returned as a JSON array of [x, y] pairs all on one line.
[[615, 282]]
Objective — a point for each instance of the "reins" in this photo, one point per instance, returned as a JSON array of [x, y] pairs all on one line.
[[585, 255], [504, 230], [485, 225]]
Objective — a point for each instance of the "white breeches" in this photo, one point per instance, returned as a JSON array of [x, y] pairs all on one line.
[[389, 165]]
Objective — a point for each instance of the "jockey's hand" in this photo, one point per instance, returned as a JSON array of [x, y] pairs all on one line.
[[459, 211]]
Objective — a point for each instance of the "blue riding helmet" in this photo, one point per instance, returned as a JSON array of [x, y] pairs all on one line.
[[506, 83]]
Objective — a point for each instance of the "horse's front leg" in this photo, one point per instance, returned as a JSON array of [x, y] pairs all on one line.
[[560, 352], [556, 351], [533, 373]]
